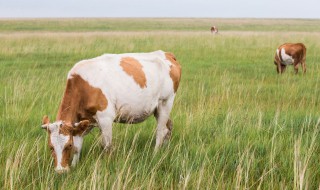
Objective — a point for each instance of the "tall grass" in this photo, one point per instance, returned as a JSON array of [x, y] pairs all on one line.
[[237, 124]]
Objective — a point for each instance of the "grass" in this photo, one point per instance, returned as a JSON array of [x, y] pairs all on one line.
[[237, 124], [156, 24]]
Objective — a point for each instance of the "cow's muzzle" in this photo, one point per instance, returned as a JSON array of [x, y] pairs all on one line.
[[61, 170]]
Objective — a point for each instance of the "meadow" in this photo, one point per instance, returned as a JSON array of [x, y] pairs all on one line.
[[237, 123]]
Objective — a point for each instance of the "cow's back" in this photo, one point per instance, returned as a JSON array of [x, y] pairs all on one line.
[[293, 49]]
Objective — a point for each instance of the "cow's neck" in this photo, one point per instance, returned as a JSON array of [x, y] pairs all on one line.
[[80, 101], [69, 104]]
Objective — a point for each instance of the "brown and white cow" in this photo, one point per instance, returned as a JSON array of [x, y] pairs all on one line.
[[214, 30], [290, 54], [125, 88]]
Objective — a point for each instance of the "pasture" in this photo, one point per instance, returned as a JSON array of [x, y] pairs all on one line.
[[237, 124]]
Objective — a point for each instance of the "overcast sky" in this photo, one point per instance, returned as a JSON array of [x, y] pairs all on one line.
[[161, 8]]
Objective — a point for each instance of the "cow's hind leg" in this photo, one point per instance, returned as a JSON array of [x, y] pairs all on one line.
[[296, 68], [304, 68], [164, 123]]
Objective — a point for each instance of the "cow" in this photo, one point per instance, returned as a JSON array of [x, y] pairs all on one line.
[[214, 30], [290, 54], [122, 88]]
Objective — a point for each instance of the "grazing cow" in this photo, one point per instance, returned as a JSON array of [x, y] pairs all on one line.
[[290, 54], [214, 30], [124, 88]]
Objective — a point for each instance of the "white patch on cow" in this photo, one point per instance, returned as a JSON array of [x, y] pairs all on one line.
[[58, 142], [286, 59]]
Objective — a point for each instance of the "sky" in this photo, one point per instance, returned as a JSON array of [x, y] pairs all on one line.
[[161, 8]]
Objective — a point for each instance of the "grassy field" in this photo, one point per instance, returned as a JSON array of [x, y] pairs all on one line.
[[237, 124]]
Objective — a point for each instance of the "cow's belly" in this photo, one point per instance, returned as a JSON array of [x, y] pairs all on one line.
[[126, 117], [135, 112]]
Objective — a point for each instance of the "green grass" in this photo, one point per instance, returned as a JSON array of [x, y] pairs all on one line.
[[237, 124], [157, 24]]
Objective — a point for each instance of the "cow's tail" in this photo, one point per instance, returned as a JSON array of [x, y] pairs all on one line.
[[304, 54]]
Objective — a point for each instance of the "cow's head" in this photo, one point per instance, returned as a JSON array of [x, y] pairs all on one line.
[[61, 141]]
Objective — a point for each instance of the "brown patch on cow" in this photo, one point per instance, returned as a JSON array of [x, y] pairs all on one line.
[[66, 153], [52, 150], [175, 70], [280, 55], [66, 130], [83, 128], [276, 59], [81, 101], [133, 68]]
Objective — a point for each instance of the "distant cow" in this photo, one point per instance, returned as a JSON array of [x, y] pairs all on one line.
[[124, 88], [290, 54], [214, 30]]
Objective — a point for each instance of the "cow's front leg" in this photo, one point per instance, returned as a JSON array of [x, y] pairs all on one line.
[[164, 124], [105, 123], [75, 159], [77, 141], [296, 68], [106, 131]]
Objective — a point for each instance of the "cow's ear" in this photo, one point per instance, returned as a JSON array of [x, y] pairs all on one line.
[[82, 128], [45, 122]]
